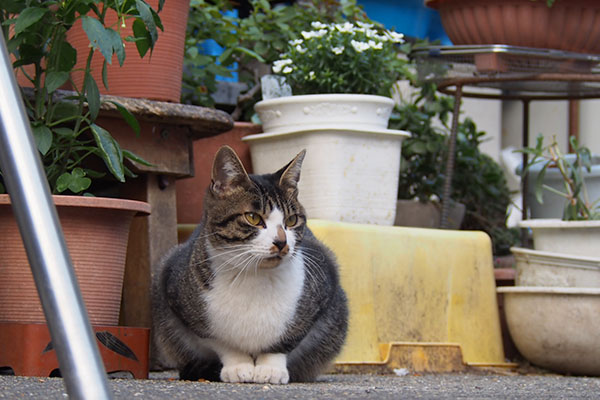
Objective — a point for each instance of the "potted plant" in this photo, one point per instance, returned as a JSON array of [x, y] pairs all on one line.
[[338, 73], [552, 313], [564, 249], [78, 155], [479, 186], [554, 24], [156, 76]]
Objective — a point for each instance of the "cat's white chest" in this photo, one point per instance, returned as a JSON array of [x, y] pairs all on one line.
[[252, 313]]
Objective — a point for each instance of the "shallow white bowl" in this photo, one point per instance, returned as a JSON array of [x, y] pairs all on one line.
[[555, 328]]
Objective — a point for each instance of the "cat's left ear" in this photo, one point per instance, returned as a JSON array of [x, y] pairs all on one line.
[[228, 173], [290, 174]]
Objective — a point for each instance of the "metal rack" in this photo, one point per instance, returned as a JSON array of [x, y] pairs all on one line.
[[505, 73]]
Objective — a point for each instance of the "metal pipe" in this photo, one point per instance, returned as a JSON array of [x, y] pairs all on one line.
[[447, 194], [72, 336]]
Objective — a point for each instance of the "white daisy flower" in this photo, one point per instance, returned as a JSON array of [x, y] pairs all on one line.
[[337, 50], [287, 70], [279, 64], [395, 36], [345, 28], [359, 46], [311, 75], [318, 25], [364, 25], [376, 46], [296, 42], [300, 49]]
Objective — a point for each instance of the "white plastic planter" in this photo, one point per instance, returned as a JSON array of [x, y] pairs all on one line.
[[352, 162], [554, 204], [542, 268], [555, 327], [578, 238]]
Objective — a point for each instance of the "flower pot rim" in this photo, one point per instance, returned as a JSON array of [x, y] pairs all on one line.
[[549, 223], [310, 98], [140, 207], [302, 129], [552, 258], [548, 290]]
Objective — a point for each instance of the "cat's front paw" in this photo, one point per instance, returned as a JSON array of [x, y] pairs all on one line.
[[271, 374], [238, 373]]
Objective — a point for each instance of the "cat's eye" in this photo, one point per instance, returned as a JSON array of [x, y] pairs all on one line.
[[291, 220], [253, 218]]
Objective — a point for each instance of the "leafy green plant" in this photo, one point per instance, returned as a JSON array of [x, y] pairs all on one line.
[[478, 181], [251, 42], [342, 58], [64, 127], [571, 169]]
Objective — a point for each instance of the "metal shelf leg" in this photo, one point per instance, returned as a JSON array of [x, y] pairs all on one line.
[[446, 200]]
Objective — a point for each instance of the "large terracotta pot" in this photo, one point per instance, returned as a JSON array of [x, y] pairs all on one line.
[[96, 232], [572, 25], [157, 76]]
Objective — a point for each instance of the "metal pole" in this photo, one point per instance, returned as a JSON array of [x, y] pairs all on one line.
[[525, 177], [72, 336], [446, 201]]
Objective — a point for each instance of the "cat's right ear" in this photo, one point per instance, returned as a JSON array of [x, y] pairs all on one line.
[[228, 173]]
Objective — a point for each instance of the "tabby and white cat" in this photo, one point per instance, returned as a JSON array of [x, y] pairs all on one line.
[[252, 296]]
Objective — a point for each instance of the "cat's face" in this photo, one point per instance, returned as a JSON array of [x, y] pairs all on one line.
[[255, 221]]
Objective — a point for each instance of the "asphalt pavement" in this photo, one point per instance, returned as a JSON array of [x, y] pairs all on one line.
[[471, 385]]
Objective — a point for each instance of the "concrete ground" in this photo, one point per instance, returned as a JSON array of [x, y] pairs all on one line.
[[471, 385]]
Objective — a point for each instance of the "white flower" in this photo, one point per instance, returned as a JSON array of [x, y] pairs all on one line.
[[287, 70], [359, 46], [311, 75], [345, 28], [279, 64], [376, 46], [300, 49], [364, 25], [337, 50], [296, 42], [313, 34], [395, 36], [318, 25]]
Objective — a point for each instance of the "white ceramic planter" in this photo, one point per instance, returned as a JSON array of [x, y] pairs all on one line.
[[542, 268], [554, 204], [555, 328], [352, 163], [579, 238]]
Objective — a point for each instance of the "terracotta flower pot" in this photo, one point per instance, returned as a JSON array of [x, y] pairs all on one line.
[[571, 25], [96, 232], [190, 191], [157, 76]]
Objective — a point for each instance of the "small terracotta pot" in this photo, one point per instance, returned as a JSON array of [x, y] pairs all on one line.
[[190, 191], [96, 232], [157, 76], [571, 25]]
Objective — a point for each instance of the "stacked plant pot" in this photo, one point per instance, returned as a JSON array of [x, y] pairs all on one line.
[[553, 312]]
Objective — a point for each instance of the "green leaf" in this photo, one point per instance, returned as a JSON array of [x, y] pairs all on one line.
[[92, 95], [76, 181], [65, 132], [105, 74], [43, 138], [117, 44], [142, 37], [55, 79], [146, 16], [134, 157], [110, 151], [68, 56], [28, 17], [128, 117], [98, 36]]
